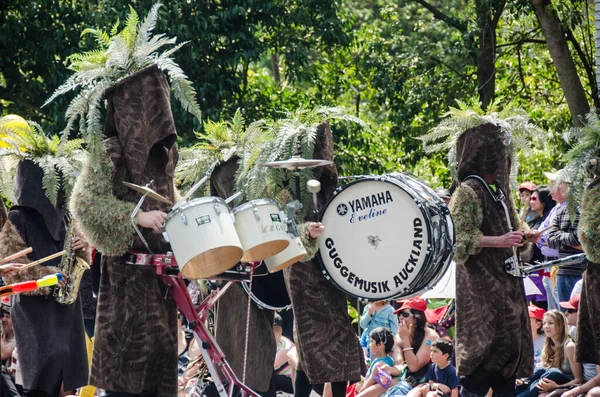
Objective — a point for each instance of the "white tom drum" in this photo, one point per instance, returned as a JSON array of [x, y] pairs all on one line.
[[385, 236], [261, 229], [203, 237], [292, 254]]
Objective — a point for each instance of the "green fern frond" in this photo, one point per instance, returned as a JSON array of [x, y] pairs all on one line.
[[102, 38], [130, 31]]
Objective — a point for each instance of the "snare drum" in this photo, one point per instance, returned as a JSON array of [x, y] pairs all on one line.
[[260, 226], [203, 237], [385, 237]]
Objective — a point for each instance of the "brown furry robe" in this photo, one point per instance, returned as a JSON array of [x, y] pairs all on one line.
[[492, 323], [327, 344], [135, 347], [588, 322]]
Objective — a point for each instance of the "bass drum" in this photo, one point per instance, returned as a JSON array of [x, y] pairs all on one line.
[[269, 292], [385, 237]]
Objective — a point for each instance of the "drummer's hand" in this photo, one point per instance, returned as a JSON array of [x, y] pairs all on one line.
[[533, 236], [78, 244], [315, 229], [151, 220], [10, 269]]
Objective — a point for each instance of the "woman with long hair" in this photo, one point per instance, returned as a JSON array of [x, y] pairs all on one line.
[[411, 351], [558, 367]]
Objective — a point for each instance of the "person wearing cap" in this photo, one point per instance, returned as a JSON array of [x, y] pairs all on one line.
[[282, 371], [536, 317], [563, 235], [525, 191], [412, 347]]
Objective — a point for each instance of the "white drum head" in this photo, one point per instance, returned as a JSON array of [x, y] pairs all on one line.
[[376, 239]]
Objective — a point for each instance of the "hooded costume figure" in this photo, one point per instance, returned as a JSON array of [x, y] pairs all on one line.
[[135, 349], [588, 320], [327, 345], [49, 336], [493, 337]]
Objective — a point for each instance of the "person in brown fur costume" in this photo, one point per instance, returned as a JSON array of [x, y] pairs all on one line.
[[49, 336], [327, 345], [493, 336], [135, 349]]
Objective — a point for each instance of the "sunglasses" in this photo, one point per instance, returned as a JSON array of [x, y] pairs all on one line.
[[571, 311], [404, 314], [533, 198]]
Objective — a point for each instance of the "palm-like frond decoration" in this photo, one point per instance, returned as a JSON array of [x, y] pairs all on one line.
[[515, 124], [219, 142], [585, 146], [60, 163], [120, 54], [294, 134]]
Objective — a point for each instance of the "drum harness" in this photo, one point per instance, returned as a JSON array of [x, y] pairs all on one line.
[[511, 265]]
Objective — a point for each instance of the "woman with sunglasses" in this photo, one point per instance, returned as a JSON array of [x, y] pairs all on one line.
[[411, 351]]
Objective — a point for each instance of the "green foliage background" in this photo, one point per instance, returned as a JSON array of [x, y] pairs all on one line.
[[391, 63]]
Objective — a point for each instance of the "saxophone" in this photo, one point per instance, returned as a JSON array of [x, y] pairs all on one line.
[[72, 266]]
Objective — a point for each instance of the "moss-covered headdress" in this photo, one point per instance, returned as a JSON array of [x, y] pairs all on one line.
[[513, 124], [119, 55]]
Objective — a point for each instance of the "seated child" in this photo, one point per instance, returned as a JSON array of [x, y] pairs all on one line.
[[376, 314], [442, 377], [381, 344]]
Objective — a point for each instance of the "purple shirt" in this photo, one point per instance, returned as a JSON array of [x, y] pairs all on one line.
[[543, 244]]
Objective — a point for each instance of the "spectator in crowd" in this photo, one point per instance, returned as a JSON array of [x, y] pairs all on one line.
[[527, 213], [536, 317], [381, 342], [563, 234], [442, 377], [591, 388], [7, 337], [572, 309], [411, 351], [542, 203], [558, 366], [282, 371], [376, 314]]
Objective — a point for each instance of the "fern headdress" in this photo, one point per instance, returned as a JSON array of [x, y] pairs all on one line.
[[514, 124], [60, 165], [294, 134], [119, 55], [583, 159]]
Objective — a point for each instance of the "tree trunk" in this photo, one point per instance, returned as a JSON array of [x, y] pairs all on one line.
[[275, 62], [563, 60], [486, 55]]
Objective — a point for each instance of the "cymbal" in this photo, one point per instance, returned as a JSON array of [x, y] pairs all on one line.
[[149, 192], [297, 163]]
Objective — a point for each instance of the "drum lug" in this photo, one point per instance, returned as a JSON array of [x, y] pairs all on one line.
[[217, 207], [183, 218], [256, 215]]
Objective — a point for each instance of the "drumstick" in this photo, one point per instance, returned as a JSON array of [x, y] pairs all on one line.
[[46, 259], [16, 255], [546, 229]]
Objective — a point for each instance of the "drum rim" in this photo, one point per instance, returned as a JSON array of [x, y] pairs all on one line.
[[251, 203], [382, 178], [192, 203]]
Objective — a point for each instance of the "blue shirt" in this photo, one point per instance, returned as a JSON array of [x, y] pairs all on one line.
[[386, 360], [384, 317], [446, 376]]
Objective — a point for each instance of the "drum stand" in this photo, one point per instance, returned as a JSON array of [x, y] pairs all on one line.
[[211, 352]]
